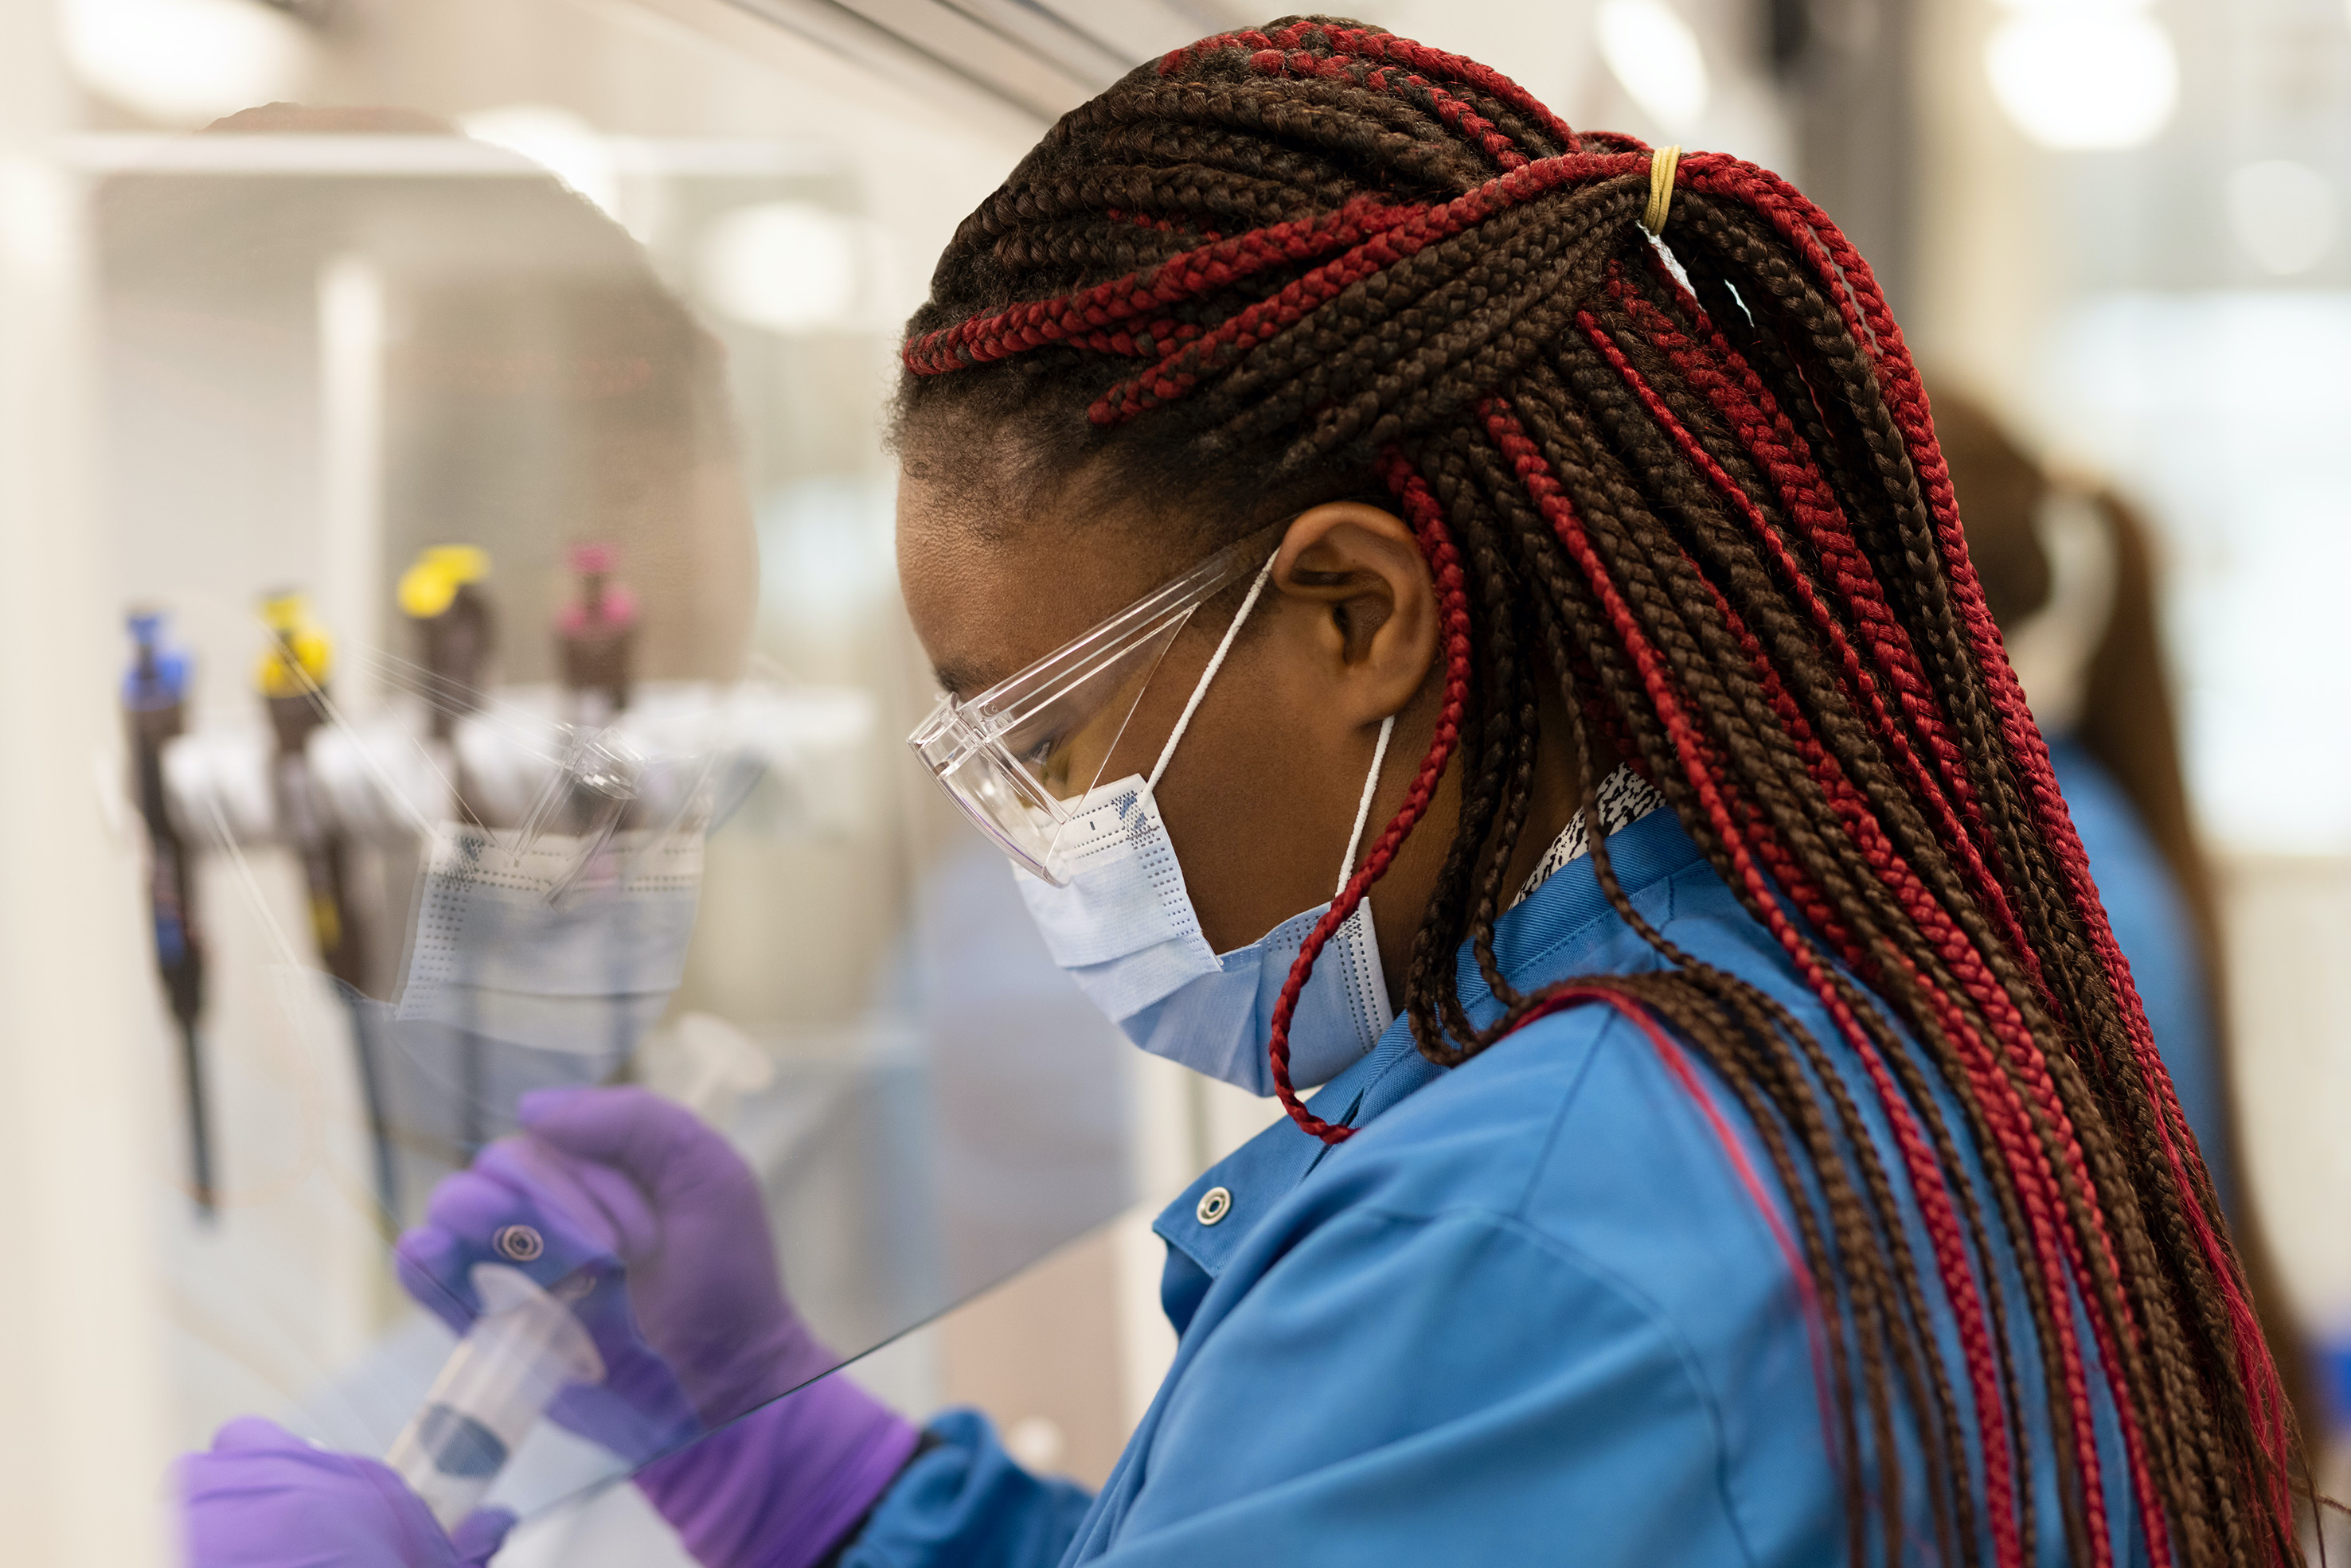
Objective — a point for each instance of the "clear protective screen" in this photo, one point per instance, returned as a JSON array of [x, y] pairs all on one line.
[[513, 688]]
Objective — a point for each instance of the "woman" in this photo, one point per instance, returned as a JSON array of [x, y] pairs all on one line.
[[2069, 574], [1314, 473]]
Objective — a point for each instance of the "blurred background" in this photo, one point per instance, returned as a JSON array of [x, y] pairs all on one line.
[[440, 304]]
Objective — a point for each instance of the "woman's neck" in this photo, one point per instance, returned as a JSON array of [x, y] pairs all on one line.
[[1400, 900]]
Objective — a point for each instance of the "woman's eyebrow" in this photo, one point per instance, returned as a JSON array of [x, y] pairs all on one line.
[[957, 679]]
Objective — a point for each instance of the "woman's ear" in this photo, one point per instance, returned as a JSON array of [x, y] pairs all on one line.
[[1372, 628]]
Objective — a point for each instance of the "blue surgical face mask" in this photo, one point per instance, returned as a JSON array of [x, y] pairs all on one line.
[[1124, 927], [555, 941]]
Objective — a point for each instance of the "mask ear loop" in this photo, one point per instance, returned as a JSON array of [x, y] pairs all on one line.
[[1364, 807], [1445, 566], [1167, 752]]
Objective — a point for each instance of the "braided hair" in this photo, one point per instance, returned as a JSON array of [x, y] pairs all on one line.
[[1694, 484]]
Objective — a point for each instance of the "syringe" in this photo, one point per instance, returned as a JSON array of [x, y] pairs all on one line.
[[518, 1355]]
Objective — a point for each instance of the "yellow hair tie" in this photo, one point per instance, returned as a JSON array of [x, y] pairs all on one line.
[[1662, 162]]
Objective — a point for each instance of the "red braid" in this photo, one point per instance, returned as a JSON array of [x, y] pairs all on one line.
[[1841, 270], [1444, 567]]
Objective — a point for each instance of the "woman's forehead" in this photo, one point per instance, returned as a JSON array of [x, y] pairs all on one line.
[[992, 588]]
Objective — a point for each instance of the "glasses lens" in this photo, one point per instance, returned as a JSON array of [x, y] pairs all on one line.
[[1017, 755], [1004, 804], [1013, 773], [1068, 742]]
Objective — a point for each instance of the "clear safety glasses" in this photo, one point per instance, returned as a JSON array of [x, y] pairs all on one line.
[[1015, 757]]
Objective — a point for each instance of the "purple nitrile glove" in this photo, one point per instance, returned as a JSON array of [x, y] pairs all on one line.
[[780, 1486], [579, 1220], [263, 1498], [634, 1188]]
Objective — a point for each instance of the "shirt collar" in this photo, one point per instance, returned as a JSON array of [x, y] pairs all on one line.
[[1537, 940], [1623, 798]]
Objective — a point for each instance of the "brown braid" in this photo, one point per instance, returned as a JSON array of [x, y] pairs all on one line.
[[1692, 487]]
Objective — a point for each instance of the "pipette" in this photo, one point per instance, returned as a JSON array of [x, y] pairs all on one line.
[[517, 1357], [154, 701], [442, 592], [593, 636], [293, 680]]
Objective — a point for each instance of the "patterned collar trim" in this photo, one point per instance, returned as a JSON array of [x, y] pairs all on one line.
[[1624, 798]]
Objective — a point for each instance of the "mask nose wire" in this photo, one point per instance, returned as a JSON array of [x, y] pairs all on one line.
[[1167, 752], [1364, 807]]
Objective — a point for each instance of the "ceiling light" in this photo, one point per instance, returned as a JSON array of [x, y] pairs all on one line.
[[1652, 51], [2084, 74], [785, 266], [183, 62]]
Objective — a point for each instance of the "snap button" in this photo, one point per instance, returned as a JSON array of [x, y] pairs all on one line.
[[1214, 1204], [519, 1242]]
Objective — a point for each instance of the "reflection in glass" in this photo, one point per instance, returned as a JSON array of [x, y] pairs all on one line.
[[433, 496]]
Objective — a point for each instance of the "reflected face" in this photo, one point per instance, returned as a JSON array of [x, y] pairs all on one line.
[[536, 386], [493, 363]]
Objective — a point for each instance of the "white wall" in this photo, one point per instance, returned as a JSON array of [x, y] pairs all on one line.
[[81, 1448]]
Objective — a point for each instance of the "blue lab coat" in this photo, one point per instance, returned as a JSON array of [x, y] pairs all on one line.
[[2152, 927], [1527, 1314]]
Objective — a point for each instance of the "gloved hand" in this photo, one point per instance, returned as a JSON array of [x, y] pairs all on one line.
[[567, 1224], [263, 1498], [639, 1197]]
